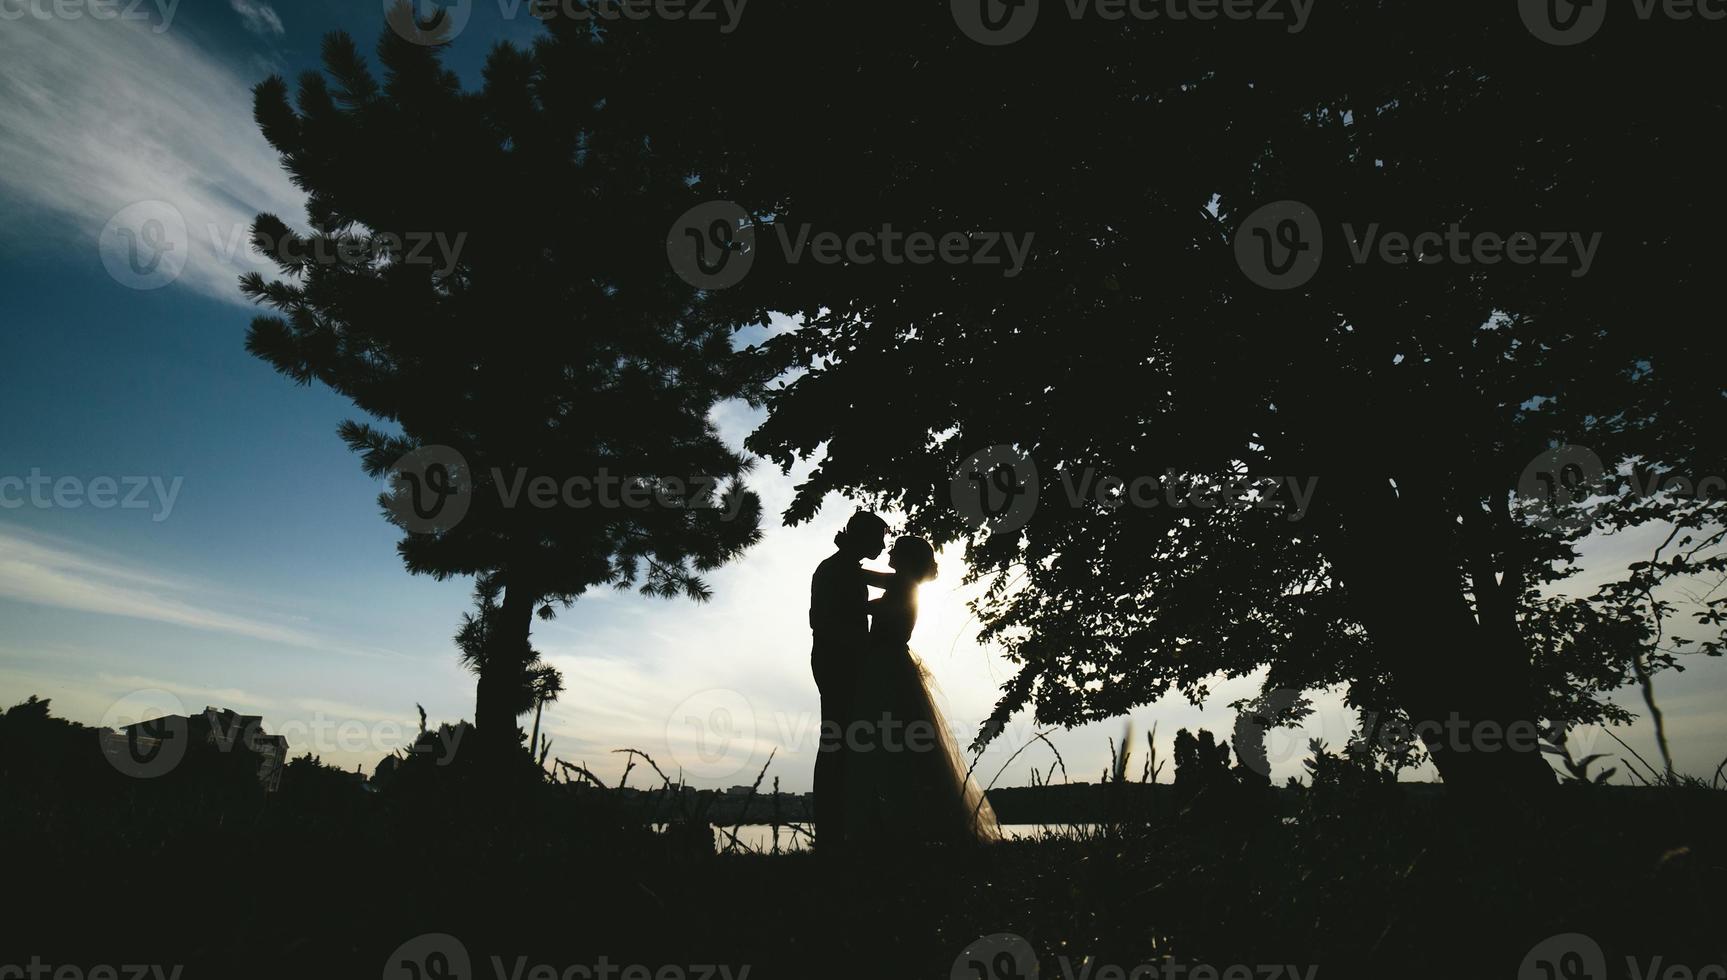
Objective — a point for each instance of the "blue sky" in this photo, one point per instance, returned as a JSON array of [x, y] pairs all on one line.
[[271, 583]]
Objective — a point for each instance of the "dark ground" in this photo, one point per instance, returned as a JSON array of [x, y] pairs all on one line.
[[199, 869]]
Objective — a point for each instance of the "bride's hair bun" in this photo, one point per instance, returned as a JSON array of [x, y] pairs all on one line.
[[921, 554]]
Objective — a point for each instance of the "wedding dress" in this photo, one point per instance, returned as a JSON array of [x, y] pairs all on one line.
[[906, 782]]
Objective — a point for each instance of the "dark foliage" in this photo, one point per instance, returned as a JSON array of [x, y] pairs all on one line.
[[1358, 878], [1132, 345]]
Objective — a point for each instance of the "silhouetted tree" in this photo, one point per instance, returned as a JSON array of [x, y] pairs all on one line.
[[538, 683], [318, 789], [1200, 763], [1133, 344], [547, 340]]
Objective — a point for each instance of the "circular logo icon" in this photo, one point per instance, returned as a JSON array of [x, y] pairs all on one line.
[[712, 245], [428, 22], [1555, 484], [712, 734], [995, 22], [145, 734], [1569, 956], [434, 956], [430, 490], [1003, 956], [1280, 245], [145, 245], [1563, 22], [996, 490], [1254, 722]]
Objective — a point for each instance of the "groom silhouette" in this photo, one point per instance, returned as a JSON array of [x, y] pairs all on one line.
[[839, 622]]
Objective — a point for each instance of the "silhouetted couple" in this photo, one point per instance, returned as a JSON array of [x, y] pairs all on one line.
[[887, 771]]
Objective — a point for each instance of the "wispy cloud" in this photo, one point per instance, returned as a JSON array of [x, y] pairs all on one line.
[[190, 694], [322, 707], [49, 572], [99, 115], [259, 18]]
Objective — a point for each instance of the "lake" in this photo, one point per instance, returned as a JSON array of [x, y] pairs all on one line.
[[759, 836]]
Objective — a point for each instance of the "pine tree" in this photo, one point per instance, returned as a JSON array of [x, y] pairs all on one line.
[[478, 279]]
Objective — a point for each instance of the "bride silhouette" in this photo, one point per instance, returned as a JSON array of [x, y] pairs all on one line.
[[906, 782]]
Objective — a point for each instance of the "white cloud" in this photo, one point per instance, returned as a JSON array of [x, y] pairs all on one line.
[[99, 115], [47, 572], [259, 18]]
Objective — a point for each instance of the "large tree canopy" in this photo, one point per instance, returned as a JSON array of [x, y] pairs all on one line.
[[1416, 393]]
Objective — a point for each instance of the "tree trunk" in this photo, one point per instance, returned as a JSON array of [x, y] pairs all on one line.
[[1462, 675], [534, 736], [499, 688]]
